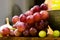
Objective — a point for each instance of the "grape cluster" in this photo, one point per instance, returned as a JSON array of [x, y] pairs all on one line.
[[29, 23], [32, 21]]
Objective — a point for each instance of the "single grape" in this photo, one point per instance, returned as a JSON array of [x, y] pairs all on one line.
[[30, 19], [26, 33], [37, 16], [43, 6], [17, 33], [33, 31], [56, 33], [36, 8], [11, 32], [40, 25], [15, 19], [42, 34], [21, 26], [27, 13], [44, 15], [5, 31], [22, 18]]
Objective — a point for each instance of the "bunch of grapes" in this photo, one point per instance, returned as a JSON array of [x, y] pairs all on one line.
[[31, 22]]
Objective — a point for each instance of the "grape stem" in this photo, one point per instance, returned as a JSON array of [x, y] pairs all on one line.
[[7, 20]]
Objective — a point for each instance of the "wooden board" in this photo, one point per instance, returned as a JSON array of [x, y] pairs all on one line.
[[30, 38]]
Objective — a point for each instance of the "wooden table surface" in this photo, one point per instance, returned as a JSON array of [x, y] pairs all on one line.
[[30, 38]]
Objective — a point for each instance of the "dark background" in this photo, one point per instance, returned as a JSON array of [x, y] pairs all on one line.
[[39, 2]]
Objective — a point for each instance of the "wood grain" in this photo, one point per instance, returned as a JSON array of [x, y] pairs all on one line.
[[30, 38]]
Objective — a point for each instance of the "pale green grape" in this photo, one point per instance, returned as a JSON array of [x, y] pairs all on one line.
[[42, 34], [56, 33]]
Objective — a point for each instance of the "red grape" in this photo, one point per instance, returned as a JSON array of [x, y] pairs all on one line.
[[43, 6], [45, 24], [11, 33], [21, 26], [26, 33], [5, 31], [22, 18], [17, 33], [37, 16], [15, 19], [36, 8], [28, 13], [33, 31], [40, 25], [30, 19], [44, 15], [27, 26]]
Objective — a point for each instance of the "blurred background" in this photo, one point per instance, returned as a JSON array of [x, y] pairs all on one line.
[[9, 8]]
